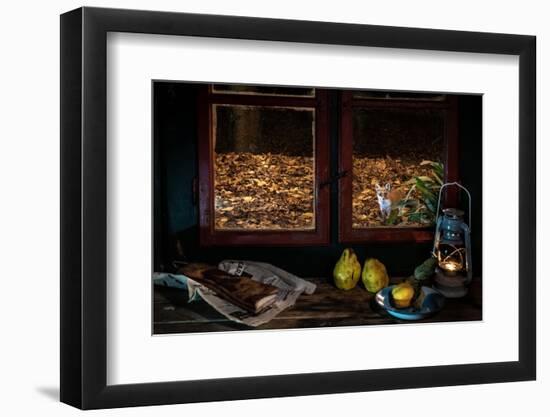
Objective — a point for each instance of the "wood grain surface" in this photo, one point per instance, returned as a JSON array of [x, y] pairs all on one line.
[[327, 307]]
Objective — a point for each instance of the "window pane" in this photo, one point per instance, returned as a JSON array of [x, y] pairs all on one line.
[[398, 95], [263, 90], [264, 168], [389, 147]]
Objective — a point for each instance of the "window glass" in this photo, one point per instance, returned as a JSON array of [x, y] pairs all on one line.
[[264, 167], [397, 169]]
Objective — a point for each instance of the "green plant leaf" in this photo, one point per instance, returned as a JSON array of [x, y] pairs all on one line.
[[392, 217], [416, 217], [431, 204], [438, 169], [438, 179], [426, 192], [426, 179], [420, 202], [408, 203]]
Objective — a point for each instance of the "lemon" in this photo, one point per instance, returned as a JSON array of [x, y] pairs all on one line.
[[402, 294]]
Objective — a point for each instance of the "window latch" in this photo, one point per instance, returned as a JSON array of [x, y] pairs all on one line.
[[334, 179]]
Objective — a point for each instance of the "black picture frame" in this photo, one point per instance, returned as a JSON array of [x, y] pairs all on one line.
[[83, 207]]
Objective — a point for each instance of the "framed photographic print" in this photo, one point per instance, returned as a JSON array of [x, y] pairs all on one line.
[[249, 205]]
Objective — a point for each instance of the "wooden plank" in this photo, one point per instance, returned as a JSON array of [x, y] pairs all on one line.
[[327, 307]]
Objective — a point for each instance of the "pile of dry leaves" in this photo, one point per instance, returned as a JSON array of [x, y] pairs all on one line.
[[263, 191], [275, 192]]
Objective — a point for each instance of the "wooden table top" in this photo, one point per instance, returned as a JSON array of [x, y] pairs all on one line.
[[327, 307]]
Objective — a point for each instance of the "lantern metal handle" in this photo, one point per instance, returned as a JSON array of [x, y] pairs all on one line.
[[448, 184]]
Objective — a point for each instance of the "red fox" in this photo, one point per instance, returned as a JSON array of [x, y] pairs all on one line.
[[387, 199]]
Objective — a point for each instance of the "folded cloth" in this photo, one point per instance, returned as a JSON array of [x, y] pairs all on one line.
[[241, 291]]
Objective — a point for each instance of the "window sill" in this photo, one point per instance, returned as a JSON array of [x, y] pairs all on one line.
[[327, 307]]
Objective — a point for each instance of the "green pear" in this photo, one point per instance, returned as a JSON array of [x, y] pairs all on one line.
[[375, 277], [347, 270]]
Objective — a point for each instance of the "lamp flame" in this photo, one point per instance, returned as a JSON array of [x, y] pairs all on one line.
[[450, 266]]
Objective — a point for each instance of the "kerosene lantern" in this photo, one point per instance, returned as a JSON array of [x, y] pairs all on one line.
[[452, 248]]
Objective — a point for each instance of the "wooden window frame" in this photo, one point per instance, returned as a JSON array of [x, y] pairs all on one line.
[[347, 234], [208, 235]]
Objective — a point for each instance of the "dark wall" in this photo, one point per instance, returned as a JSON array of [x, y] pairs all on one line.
[[175, 166], [176, 214], [470, 133]]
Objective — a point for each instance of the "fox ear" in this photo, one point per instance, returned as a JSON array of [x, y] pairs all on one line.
[[388, 186], [377, 186]]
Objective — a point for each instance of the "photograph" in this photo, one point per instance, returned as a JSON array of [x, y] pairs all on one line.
[[289, 207]]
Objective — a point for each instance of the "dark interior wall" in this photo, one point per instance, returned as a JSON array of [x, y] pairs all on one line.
[[176, 214], [175, 166], [470, 166]]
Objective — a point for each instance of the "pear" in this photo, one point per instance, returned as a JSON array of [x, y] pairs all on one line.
[[375, 277], [347, 270]]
